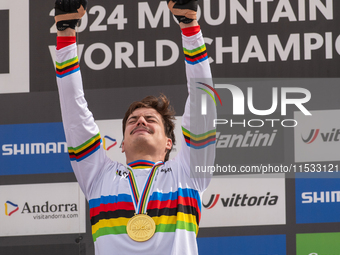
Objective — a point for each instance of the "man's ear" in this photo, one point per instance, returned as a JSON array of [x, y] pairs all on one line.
[[123, 150], [168, 144]]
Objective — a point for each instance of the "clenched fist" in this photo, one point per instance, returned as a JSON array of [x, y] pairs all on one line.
[[68, 13]]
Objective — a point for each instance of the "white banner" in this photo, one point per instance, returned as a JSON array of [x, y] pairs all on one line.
[[17, 80], [244, 202], [317, 137], [40, 209]]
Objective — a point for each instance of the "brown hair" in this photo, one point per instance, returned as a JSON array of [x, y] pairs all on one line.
[[162, 105]]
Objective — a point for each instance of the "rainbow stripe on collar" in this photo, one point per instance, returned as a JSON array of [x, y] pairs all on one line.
[[141, 164]]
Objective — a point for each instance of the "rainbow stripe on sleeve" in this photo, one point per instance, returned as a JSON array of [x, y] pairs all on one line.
[[195, 56], [199, 141], [86, 149], [67, 67], [170, 211]]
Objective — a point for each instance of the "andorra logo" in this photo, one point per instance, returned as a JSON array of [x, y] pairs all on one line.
[[106, 140], [10, 208]]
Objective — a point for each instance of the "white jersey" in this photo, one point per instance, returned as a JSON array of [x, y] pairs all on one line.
[[175, 199]]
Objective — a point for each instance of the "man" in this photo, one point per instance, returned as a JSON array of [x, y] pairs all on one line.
[[152, 205]]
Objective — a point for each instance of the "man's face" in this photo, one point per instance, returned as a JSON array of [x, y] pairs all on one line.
[[144, 132]]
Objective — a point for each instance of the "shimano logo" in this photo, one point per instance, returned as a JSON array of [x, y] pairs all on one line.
[[320, 197], [34, 148]]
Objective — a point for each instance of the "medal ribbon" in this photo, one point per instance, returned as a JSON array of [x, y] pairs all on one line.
[[142, 201]]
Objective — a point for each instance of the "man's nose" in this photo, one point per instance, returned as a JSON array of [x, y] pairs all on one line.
[[141, 121]]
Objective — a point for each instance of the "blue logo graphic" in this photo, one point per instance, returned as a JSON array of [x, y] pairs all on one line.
[[33, 149], [317, 200], [245, 245]]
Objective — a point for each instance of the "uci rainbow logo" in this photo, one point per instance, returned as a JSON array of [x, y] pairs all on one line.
[[10, 204]]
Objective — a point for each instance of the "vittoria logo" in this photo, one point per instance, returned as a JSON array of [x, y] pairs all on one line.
[[312, 136], [213, 201], [237, 200], [329, 136]]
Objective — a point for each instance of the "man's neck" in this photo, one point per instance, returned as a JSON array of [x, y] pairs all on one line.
[[150, 158]]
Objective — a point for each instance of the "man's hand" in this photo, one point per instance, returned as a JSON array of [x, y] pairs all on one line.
[[68, 13], [184, 10]]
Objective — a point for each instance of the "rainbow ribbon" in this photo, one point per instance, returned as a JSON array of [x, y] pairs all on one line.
[[141, 202]]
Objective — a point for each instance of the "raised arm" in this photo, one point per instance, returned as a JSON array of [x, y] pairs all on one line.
[[82, 134], [198, 139]]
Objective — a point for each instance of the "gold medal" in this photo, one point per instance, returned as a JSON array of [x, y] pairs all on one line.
[[141, 227]]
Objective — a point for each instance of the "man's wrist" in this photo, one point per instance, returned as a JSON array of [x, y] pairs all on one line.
[[67, 32], [192, 24]]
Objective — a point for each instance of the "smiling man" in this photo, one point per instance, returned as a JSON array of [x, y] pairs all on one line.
[[148, 205], [144, 132]]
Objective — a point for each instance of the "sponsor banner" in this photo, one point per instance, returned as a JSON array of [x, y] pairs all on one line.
[[317, 244], [317, 137], [42, 209], [241, 144], [245, 245], [112, 137], [244, 202], [14, 65], [119, 42], [317, 200], [33, 149]]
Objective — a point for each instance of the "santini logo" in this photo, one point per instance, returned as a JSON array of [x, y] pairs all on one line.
[[320, 197], [33, 148], [332, 136], [242, 200], [250, 139]]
